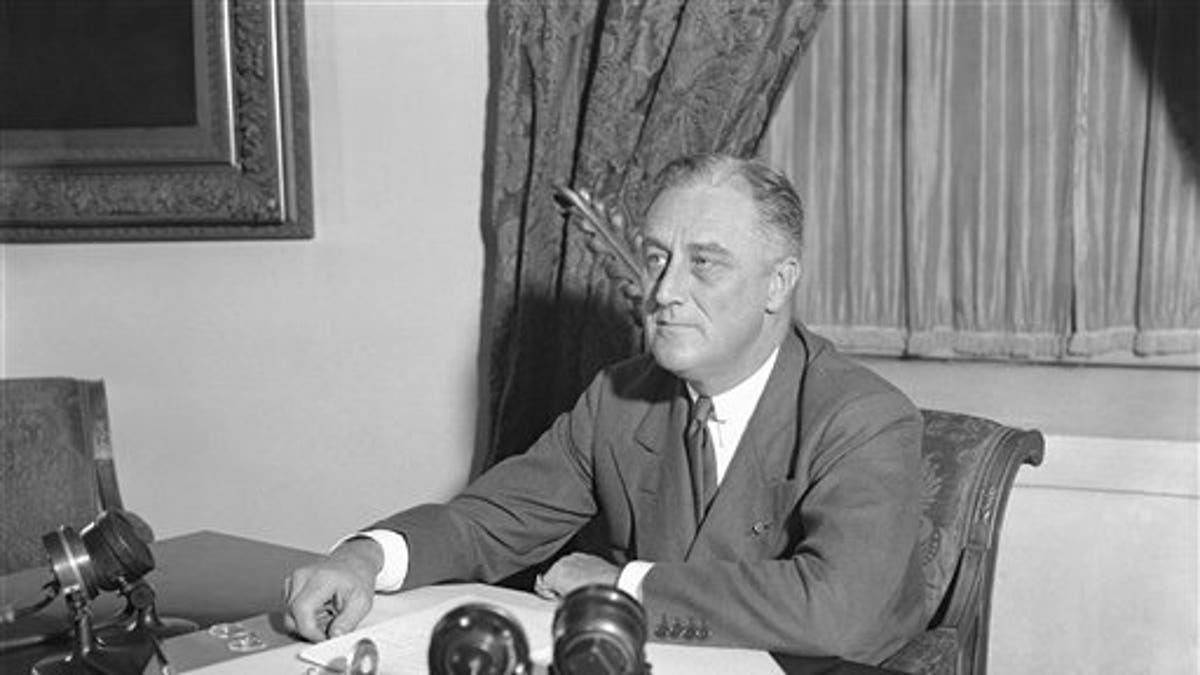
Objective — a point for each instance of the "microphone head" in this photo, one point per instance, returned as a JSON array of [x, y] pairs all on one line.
[[599, 630], [104, 553], [479, 639], [116, 550]]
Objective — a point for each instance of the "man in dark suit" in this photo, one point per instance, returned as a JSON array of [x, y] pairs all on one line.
[[754, 487]]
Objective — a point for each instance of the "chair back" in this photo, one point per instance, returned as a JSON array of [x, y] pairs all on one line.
[[56, 463], [970, 464]]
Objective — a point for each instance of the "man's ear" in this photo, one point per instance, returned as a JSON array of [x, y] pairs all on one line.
[[784, 277]]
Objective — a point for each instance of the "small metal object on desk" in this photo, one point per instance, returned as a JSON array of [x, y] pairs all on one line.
[[364, 660]]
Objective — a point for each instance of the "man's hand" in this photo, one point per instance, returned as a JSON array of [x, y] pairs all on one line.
[[329, 598], [575, 570]]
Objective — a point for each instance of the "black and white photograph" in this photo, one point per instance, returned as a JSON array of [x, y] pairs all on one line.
[[599, 337]]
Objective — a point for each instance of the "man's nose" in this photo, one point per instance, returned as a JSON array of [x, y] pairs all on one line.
[[669, 286]]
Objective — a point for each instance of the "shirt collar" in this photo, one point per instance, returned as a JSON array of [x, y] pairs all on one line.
[[737, 404]]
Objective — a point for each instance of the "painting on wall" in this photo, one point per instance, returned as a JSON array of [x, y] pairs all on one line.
[[153, 120]]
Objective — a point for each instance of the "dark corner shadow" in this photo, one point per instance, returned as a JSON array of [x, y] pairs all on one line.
[[487, 336], [553, 349], [1166, 38]]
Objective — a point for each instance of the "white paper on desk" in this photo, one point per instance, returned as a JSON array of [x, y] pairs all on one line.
[[403, 642]]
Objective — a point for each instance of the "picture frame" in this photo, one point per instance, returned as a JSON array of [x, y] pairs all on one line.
[[189, 121]]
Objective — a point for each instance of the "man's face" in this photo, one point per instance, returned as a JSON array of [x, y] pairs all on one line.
[[712, 273]]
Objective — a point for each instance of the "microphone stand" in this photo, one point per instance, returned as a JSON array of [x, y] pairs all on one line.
[[86, 656], [123, 645], [140, 620]]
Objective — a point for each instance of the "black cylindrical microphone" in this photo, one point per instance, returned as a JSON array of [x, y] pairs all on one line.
[[600, 630], [107, 555], [102, 556], [479, 639]]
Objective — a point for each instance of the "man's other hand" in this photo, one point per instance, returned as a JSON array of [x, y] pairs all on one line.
[[574, 570], [331, 597]]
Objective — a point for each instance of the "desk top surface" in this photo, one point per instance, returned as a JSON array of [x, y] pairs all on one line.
[[665, 659], [209, 577]]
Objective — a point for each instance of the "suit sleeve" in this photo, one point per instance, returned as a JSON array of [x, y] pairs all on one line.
[[848, 582], [518, 513]]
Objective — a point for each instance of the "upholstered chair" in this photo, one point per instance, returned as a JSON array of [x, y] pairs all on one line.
[[969, 467], [56, 464]]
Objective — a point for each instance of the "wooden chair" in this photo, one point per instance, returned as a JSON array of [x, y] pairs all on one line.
[[970, 465], [56, 464]]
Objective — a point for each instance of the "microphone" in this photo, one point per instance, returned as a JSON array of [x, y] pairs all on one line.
[[597, 630], [600, 630], [106, 555], [101, 557], [479, 639], [106, 552]]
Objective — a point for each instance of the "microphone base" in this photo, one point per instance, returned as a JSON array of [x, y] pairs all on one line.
[[140, 630], [98, 661]]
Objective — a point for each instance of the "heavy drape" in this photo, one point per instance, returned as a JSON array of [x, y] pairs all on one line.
[[1004, 179], [601, 94]]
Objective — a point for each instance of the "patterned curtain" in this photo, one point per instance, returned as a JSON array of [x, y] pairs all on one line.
[[600, 94], [1005, 179]]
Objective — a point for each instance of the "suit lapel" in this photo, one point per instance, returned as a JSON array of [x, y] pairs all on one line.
[[761, 466], [658, 481]]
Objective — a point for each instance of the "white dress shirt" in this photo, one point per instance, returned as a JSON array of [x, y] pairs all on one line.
[[731, 414]]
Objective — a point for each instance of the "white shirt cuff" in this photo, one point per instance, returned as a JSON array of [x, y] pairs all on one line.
[[631, 576], [395, 558]]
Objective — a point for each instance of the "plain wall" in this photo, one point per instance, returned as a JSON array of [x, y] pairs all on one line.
[[1097, 571], [293, 391]]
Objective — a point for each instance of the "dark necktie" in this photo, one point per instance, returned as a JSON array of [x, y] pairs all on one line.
[[701, 455]]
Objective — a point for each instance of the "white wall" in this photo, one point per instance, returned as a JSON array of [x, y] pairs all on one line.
[[292, 391], [1098, 556], [1097, 570]]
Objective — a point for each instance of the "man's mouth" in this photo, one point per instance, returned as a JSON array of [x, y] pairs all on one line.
[[662, 324]]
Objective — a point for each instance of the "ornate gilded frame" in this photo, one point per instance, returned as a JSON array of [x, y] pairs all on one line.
[[242, 172]]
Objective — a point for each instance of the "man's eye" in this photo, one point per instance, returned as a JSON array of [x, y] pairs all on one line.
[[702, 262], [656, 260]]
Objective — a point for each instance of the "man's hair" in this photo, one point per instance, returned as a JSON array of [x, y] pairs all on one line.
[[780, 210]]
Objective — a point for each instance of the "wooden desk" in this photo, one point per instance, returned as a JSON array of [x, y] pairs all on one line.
[[209, 577]]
